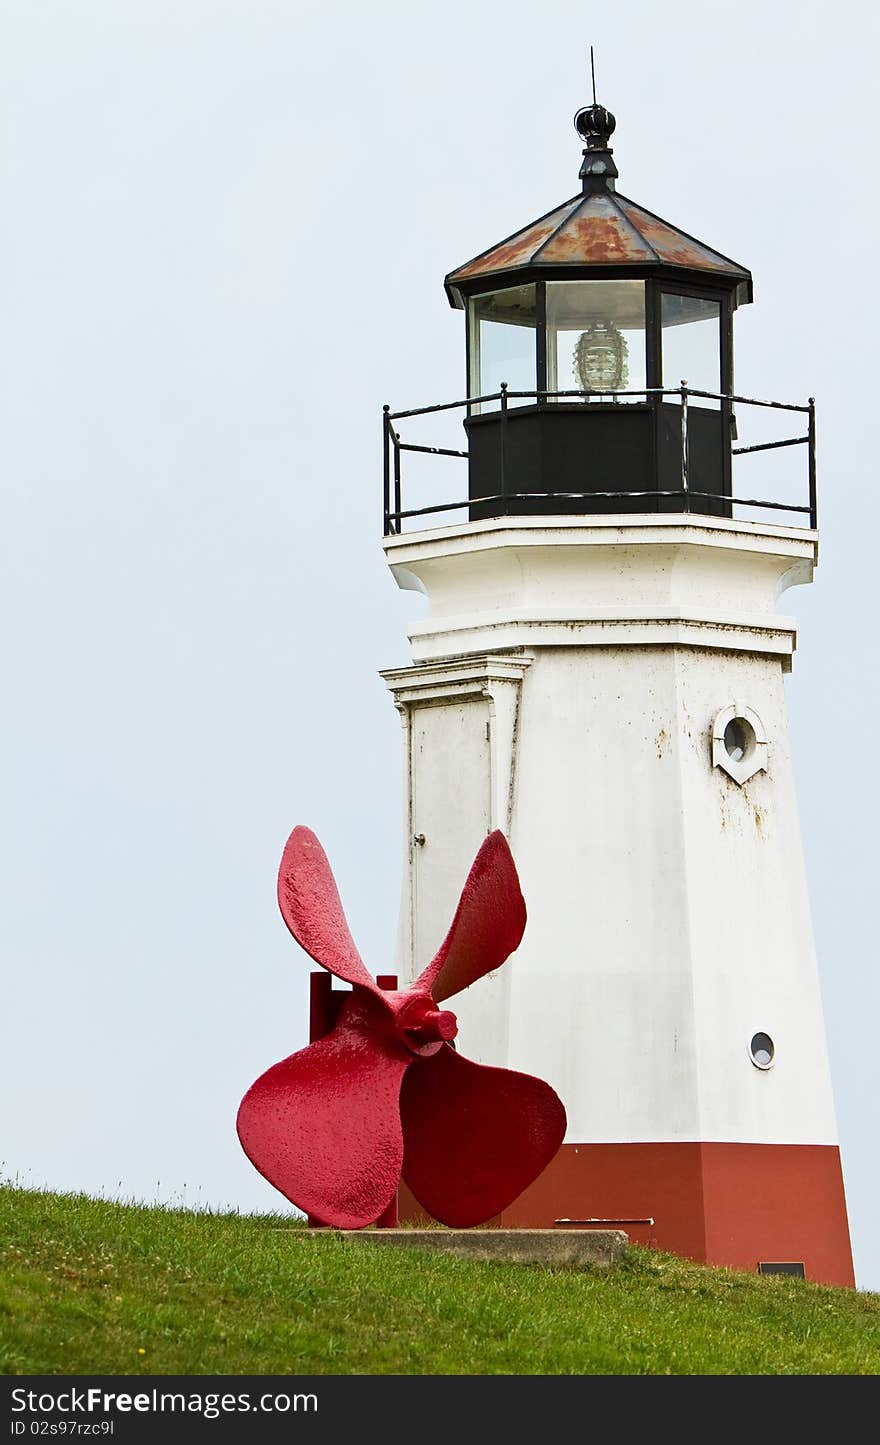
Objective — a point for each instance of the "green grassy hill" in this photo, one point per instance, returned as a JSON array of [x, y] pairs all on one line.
[[92, 1287]]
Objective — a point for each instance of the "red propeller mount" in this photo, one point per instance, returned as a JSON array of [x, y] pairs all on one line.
[[384, 1095]]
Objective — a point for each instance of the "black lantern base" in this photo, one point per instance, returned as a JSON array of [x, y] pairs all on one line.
[[597, 459]]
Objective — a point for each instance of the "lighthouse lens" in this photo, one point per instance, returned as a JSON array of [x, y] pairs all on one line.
[[596, 340]]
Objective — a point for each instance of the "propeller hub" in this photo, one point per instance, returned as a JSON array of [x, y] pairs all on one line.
[[423, 1027]]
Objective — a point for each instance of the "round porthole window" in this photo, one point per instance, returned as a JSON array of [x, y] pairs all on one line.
[[739, 739], [762, 1051], [739, 743]]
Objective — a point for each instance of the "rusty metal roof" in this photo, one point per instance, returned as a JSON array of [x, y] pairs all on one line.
[[598, 229]]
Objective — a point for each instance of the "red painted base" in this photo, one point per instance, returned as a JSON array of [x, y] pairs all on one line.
[[726, 1204]]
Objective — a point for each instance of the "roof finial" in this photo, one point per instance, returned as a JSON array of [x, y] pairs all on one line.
[[595, 125]]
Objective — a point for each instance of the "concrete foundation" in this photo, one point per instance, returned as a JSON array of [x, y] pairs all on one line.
[[553, 1248]]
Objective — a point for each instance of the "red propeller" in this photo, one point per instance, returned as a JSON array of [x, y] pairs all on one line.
[[384, 1095]]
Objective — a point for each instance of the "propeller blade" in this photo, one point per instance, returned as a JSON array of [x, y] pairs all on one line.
[[312, 909], [323, 1125], [474, 1137], [488, 924]]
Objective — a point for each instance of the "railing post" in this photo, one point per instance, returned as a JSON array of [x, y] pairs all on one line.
[[684, 443], [811, 448], [398, 505], [386, 472], [503, 487]]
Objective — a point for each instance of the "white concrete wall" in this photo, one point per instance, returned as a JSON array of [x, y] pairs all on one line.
[[751, 939], [668, 918], [668, 915], [601, 988]]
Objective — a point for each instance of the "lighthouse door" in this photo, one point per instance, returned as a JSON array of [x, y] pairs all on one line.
[[450, 812]]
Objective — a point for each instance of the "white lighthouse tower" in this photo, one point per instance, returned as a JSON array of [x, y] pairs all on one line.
[[600, 674]]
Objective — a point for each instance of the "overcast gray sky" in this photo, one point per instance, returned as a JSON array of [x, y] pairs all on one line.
[[225, 229]]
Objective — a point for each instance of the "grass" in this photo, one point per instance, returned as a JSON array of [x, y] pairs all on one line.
[[91, 1287]]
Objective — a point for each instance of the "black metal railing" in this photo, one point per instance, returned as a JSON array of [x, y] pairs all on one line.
[[394, 512]]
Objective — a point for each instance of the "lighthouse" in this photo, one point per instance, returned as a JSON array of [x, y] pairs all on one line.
[[599, 672]]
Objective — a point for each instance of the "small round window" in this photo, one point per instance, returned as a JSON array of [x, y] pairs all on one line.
[[762, 1051], [739, 741]]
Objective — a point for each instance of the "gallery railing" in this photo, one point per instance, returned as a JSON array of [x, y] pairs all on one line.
[[395, 513]]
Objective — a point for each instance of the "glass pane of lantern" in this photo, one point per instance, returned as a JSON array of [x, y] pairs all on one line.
[[502, 344], [596, 338], [691, 328]]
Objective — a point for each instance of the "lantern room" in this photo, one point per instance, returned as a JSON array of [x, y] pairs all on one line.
[[582, 329], [599, 378]]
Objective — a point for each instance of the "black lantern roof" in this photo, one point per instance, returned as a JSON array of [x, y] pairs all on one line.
[[598, 232]]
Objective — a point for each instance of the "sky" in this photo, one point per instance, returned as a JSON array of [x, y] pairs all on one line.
[[226, 225]]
